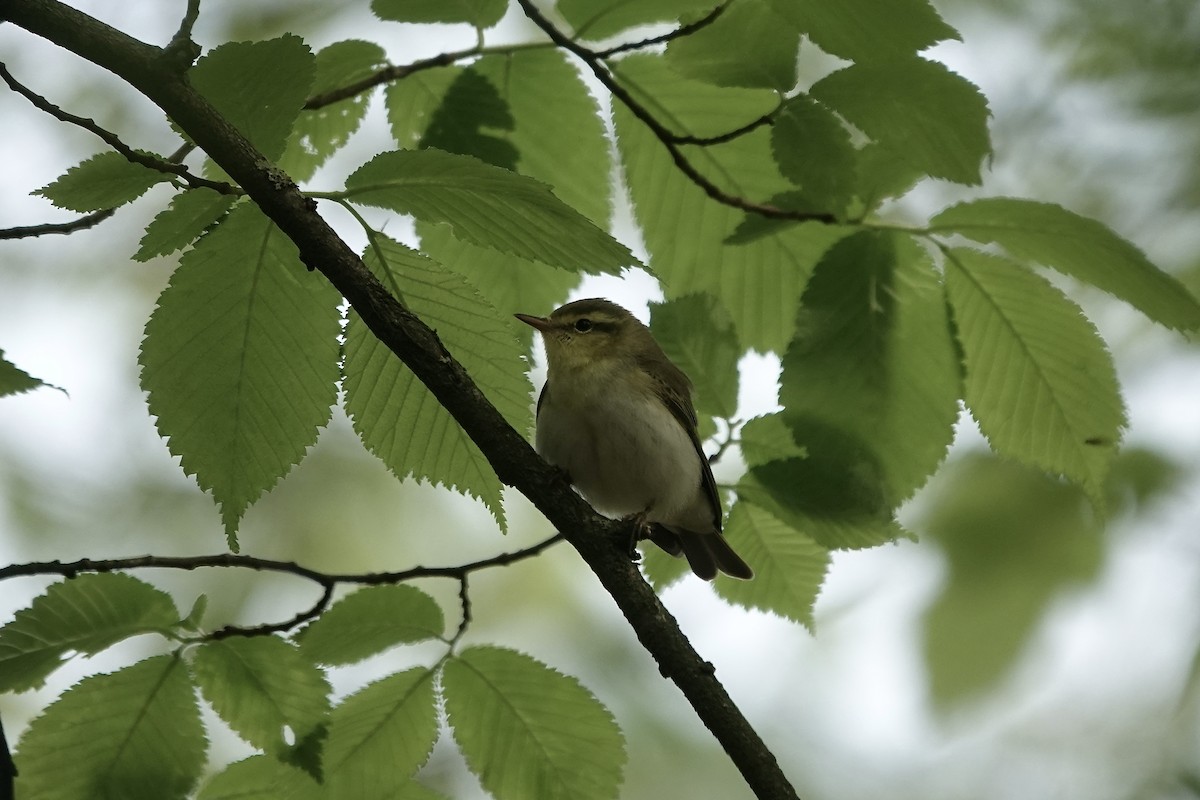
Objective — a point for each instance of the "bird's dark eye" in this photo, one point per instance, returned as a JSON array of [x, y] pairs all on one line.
[[583, 325]]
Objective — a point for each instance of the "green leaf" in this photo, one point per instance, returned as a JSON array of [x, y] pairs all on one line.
[[106, 180], [768, 438], [509, 283], [241, 360], [321, 132], [488, 206], [789, 567], [370, 621], [748, 45], [690, 107], [759, 283], [190, 214], [1077, 246], [529, 731], [84, 615], [882, 174], [698, 336], [931, 118], [472, 121], [412, 102], [1039, 380], [835, 495], [812, 149], [262, 686], [600, 19], [874, 360], [544, 92], [397, 418], [260, 87], [134, 734], [863, 30], [480, 13], [380, 735], [260, 778], [14, 380]]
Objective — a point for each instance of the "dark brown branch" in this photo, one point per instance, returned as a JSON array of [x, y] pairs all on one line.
[[667, 137], [678, 33], [705, 141], [82, 223], [386, 75], [110, 138], [510, 455]]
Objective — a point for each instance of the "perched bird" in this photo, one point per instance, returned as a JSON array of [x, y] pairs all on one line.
[[617, 416]]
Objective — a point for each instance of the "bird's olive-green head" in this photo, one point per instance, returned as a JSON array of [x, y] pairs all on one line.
[[590, 333]]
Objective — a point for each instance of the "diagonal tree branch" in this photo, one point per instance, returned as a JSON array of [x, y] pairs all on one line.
[[516, 464]]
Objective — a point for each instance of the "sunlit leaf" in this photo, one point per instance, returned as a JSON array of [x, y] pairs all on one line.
[[370, 621], [188, 216], [264, 689], [106, 180], [1038, 377], [748, 45], [924, 114], [1077, 246], [480, 13], [240, 360], [133, 734], [529, 731], [380, 735], [487, 205], [862, 30], [260, 778], [698, 336], [600, 19], [84, 615]]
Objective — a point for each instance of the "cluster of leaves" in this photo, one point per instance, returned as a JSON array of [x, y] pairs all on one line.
[[505, 164], [524, 729]]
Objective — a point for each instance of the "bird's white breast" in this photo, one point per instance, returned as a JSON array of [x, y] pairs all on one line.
[[626, 453]]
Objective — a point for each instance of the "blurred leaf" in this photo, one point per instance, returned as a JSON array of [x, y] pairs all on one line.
[[926, 115], [1077, 246], [396, 416], [529, 731], [14, 380], [370, 621], [321, 132], [600, 19], [812, 149], [260, 87], [749, 45], [262, 687], [865, 30], [134, 734], [260, 778], [698, 336], [480, 13], [190, 214], [1039, 380], [83, 615], [105, 180], [488, 206], [789, 567], [661, 568], [875, 361], [380, 735], [1007, 561], [240, 360], [412, 102]]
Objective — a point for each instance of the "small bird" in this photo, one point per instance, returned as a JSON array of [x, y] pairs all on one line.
[[617, 416]]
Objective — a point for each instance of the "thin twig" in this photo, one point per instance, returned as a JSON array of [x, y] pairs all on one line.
[[110, 138], [386, 75], [182, 49], [678, 33], [705, 141], [82, 223], [660, 131]]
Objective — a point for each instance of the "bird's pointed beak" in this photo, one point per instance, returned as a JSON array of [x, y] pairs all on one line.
[[541, 323]]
